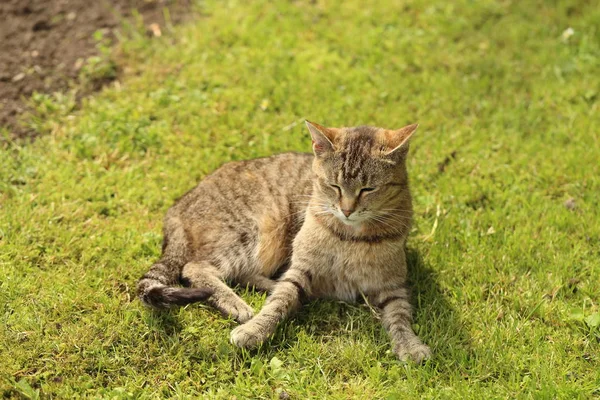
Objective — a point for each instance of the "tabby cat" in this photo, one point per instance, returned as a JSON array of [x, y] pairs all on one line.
[[330, 225]]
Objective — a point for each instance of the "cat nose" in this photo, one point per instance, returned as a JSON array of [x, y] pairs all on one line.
[[347, 212]]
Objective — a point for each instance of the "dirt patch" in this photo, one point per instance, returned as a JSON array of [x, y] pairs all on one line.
[[45, 43]]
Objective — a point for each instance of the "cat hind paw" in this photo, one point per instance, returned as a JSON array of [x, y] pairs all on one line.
[[243, 313], [239, 310]]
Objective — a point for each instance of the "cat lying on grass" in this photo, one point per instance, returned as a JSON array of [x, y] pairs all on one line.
[[335, 222]]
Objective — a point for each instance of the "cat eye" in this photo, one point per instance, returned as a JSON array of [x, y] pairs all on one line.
[[367, 190]]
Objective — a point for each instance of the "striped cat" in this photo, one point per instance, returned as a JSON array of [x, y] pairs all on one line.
[[331, 225]]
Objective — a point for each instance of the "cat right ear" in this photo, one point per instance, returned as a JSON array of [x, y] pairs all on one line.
[[322, 138], [397, 140]]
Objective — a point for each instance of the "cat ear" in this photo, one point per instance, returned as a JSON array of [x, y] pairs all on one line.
[[322, 138], [397, 140]]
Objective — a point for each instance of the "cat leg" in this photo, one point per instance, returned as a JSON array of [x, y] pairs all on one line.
[[203, 274], [258, 282], [396, 314], [295, 284]]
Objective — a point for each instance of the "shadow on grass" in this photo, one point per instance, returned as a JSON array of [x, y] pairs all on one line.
[[437, 322], [166, 322]]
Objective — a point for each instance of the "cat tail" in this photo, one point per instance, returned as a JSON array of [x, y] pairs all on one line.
[[156, 288]]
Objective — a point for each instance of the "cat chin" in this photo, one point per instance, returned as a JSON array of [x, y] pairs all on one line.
[[347, 222]]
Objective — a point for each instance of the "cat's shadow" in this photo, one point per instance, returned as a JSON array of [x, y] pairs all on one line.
[[439, 324], [435, 320], [165, 321]]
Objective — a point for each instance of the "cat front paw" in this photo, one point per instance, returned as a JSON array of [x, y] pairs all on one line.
[[247, 336], [416, 352]]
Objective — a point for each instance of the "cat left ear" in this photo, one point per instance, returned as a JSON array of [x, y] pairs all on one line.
[[397, 140], [322, 138]]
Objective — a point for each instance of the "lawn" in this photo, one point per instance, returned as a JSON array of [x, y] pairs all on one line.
[[505, 173]]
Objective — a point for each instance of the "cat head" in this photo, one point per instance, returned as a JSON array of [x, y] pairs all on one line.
[[361, 172]]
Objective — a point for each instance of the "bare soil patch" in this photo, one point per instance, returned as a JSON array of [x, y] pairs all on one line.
[[44, 43]]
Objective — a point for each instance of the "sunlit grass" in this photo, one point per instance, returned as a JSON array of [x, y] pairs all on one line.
[[504, 171]]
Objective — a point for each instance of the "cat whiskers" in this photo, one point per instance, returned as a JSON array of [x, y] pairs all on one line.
[[319, 208], [401, 219], [374, 220], [303, 211], [391, 210], [394, 221]]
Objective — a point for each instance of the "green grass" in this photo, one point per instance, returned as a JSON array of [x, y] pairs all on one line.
[[506, 277]]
